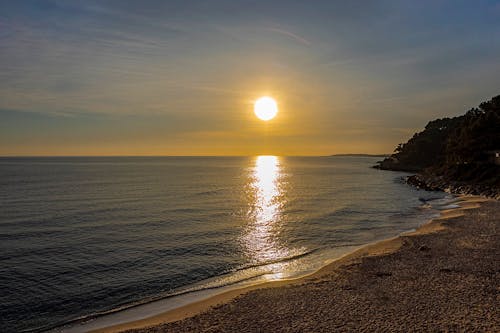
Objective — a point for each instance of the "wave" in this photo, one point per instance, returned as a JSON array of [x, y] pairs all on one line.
[[209, 193], [233, 277]]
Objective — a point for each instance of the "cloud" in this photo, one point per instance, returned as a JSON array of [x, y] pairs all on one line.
[[295, 37]]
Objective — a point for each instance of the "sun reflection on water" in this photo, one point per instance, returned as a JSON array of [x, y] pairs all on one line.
[[261, 240]]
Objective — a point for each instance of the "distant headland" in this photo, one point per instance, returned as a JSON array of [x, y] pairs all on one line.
[[362, 155]]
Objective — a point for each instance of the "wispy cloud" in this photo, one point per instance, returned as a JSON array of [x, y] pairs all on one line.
[[292, 35]]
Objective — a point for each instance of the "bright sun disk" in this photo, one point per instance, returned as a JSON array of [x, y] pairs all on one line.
[[265, 108]]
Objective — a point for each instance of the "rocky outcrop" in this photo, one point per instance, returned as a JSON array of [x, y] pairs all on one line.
[[436, 183], [393, 164]]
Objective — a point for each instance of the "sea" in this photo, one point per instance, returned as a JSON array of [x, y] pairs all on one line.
[[85, 239]]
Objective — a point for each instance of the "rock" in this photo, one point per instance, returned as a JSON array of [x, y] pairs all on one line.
[[432, 183]]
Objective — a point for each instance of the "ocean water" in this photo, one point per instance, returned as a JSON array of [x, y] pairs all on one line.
[[84, 236]]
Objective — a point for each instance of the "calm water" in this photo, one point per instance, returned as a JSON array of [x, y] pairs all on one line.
[[81, 236]]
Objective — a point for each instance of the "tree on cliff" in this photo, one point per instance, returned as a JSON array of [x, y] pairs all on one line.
[[455, 148]]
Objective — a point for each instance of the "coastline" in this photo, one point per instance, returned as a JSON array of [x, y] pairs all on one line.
[[429, 182], [328, 272]]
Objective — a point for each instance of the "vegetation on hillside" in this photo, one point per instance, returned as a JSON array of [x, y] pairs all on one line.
[[456, 149]]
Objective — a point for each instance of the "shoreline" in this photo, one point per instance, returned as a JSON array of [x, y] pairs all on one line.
[[431, 182], [379, 248]]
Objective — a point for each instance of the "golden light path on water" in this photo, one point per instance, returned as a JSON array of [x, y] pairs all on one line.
[[261, 240]]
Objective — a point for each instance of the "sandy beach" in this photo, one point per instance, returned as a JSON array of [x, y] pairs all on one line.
[[443, 277]]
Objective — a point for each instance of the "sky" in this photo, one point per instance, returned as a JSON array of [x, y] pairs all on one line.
[[156, 77]]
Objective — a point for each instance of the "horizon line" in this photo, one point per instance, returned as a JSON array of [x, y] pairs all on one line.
[[246, 155]]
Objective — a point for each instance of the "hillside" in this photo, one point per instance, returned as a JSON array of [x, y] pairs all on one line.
[[459, 151]]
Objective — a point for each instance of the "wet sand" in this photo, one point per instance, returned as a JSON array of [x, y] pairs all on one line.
[[443, 277]]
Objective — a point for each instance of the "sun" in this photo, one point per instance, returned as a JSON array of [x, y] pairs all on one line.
[[265, 108]]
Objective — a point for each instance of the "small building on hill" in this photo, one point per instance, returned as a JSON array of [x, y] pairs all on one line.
[[494, 156]]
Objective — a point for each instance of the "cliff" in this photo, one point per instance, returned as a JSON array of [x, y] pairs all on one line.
[[455, 153]]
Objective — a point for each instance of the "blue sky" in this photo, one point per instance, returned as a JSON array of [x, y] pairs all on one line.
[[180, 77]]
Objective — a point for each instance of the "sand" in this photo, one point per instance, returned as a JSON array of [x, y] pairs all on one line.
[[445, 277]]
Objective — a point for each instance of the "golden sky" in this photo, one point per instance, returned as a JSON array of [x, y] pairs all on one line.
[[181, 77]]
